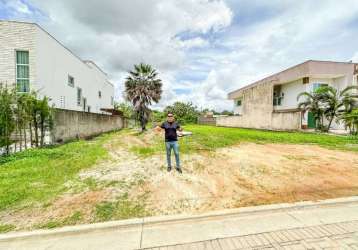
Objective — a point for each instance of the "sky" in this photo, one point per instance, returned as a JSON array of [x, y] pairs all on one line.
[[202, 49]]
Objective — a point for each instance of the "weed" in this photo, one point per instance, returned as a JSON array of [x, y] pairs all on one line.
[[122, 208], [4, 228], [74, 219]]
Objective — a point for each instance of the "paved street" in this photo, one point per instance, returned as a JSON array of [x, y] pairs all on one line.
[[331, 224], [329, 236]]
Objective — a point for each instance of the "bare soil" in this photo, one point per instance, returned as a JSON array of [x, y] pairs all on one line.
[[241, 175]]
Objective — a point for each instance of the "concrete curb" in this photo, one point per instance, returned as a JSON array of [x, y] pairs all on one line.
[[138, 223]]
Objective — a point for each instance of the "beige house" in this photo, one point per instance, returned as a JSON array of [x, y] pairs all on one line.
[[271, 103]]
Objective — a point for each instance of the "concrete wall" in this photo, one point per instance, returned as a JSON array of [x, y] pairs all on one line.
[[257, 111], [291, 91], [256, 108], [207, 120], [286, 121], [277, 121], [74, 124]]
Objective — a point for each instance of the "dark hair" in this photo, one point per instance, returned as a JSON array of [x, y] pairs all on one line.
[[170, 113]]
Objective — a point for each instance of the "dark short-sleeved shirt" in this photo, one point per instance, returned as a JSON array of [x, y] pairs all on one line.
[[170, 130]]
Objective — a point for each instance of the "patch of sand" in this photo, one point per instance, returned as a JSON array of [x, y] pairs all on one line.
[[241, 175]]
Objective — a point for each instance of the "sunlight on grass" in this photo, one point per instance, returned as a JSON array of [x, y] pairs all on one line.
[[122, 208], [6, 228], [71, 220], [210, 138], [35, 176]]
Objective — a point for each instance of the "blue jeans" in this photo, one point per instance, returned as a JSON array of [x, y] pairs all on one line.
[[169, 145]]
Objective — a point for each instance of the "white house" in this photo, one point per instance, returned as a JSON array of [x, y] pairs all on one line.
[[35, 60], [271, 103]]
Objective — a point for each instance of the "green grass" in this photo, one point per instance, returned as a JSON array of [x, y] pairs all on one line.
[[6, 228], [210, 138], [37, 175], [122, 208], [143, 151], [74, 219]]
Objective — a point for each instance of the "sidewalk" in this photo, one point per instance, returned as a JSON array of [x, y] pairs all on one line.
[[331, 224], [343, 235]]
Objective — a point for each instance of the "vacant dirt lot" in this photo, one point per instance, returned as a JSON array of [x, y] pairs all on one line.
[[240, 175]]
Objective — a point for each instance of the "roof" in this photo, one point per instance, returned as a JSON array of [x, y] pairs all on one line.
[[273, 77], [83, 61], [112, 111], [94, 64]]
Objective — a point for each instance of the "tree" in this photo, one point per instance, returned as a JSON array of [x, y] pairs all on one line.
[[157, 116], [226, 112], [126, 108], [44, 117], [335, 101], [329, 103], [312, 103], [21, 119], [184, 112], [350, 120], [22, 112], [7, 119], [142, 88]]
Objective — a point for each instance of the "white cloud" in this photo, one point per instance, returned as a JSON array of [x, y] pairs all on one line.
[[118, 34], [198, 46], [196, 42], [18, 6]]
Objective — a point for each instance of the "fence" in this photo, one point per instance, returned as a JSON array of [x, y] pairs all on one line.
[[70, 124], [207, 120]]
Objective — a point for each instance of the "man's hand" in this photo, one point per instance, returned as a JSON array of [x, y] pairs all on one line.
[[158, 129], [180, 132]]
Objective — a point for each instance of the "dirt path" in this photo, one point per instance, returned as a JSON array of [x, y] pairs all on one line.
[[241, 175]]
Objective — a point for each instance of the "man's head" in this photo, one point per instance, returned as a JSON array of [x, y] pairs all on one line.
[[170, 117]]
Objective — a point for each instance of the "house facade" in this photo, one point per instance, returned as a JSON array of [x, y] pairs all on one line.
[[35, 61], [271, 103]]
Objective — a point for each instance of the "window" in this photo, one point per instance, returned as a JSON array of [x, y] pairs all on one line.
[[238, 103], [277, 98], [318, 85], [84, 104], [89, 109], [62, 102], [99, 94], [22, 71], [79, 96], [71, 81], [112, 100], [305, 80]]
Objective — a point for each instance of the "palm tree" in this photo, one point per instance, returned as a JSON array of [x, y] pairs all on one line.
[[312, 103], [142, 88], [350, 120], [327, 102], [336, 102]]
